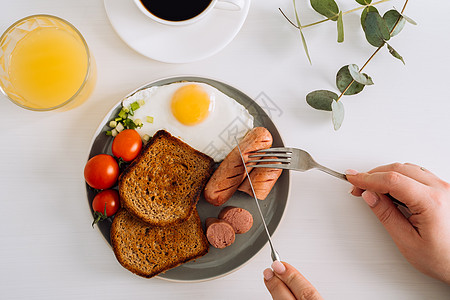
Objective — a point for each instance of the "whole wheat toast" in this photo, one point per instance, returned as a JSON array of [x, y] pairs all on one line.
[[163, 184], [149, 250]]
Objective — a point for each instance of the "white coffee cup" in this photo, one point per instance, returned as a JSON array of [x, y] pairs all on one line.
[[233, 5]]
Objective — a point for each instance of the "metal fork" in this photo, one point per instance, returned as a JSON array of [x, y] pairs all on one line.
[[295, 159]]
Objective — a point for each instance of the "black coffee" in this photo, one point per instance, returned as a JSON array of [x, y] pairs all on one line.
[[176, 10]]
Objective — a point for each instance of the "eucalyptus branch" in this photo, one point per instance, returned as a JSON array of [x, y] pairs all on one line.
[[344, 13], [378, 30], [372, 56]]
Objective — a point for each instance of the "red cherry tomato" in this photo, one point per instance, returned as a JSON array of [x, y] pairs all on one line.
[[101, 171], [127, 145], [105, 204]]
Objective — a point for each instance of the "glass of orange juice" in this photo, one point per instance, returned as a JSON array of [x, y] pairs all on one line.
[[45, 64]]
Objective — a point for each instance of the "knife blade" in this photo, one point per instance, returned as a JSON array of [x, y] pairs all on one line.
[[274, 254]]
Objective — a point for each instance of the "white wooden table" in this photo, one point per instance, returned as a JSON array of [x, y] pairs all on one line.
[[48, 249]]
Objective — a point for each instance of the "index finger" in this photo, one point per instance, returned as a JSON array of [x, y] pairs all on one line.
[[403, 188], [291, 280]]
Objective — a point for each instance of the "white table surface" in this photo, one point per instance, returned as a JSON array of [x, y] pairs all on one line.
[[48, 249]]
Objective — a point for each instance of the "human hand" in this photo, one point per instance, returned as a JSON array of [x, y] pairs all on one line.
[[286, 283], [424, 237]]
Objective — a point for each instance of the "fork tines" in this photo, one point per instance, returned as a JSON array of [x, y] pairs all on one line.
[[283, 162]]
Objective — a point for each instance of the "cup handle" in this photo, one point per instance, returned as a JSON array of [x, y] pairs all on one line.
[[234, 5]]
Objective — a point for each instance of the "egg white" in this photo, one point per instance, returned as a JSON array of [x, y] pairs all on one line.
[[214, 136]]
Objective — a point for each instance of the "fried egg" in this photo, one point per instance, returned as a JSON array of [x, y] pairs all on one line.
[[197, 113]]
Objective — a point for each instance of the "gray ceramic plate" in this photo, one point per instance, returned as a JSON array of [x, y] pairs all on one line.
[[218, 262]]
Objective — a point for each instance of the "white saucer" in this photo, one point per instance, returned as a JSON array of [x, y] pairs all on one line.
[[175, 44]]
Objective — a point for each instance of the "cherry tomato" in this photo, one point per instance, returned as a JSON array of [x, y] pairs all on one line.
[[127, 145], [101, 171], [105, 204]]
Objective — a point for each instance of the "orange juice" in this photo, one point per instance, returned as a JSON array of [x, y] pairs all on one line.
[[47, 67], [49, 64]]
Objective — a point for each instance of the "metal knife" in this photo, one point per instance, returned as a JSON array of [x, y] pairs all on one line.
[[274, 253]]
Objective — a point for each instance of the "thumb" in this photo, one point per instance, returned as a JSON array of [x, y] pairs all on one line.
[[400, 229]]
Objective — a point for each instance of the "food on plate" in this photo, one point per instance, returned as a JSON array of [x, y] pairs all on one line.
[[240, 219], [101, 171], [197, 113], [163, 184], [127, 145], [220, 233], [263, 180], [149, 250], [105, 204], [230, 173]]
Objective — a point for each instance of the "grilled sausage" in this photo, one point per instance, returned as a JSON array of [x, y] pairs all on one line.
[[240, 219], [263, 180], [220, 233], [230, 174]]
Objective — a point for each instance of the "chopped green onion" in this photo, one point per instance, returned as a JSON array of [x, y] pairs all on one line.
[[134, 106], [119, 127], [146, 137], [122, 114], [149, 119], [109, 132], [114, 132], [118, 119], [141, 102], [112, 124], [138, 122]]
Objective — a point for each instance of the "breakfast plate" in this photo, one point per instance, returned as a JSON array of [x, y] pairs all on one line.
[[175, 44], [218, 262]]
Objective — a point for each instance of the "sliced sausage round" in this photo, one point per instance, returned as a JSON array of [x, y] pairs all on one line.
[[220, 233], [240, 219]]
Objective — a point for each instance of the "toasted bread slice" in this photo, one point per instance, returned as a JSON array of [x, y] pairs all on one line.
[[149, 250], [163, 184]]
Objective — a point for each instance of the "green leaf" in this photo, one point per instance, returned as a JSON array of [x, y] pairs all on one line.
[[338, 114], [376, 30], [343, 79], [305, 46], [327, 8], [340, 28], [364, 15], [364, 2], [392, 17], [358, 76], [395, 53], [409, 20], [321, 99]]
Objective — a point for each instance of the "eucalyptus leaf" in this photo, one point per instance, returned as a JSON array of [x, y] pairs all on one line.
[[337, 114], [358, 76], [395, 54], [376, 30], [340, 28], [344, 78], [392, 17], [327, 8], [364, 14], [409, 20], [305, 46], [364, 2], [321, 99]]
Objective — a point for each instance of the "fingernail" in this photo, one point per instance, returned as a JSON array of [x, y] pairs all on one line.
[[350, 191], [268, 274], [278, 267], [351, 172], [371, 198]]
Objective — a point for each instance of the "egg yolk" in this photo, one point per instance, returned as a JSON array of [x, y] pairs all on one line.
[[191, 104]]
